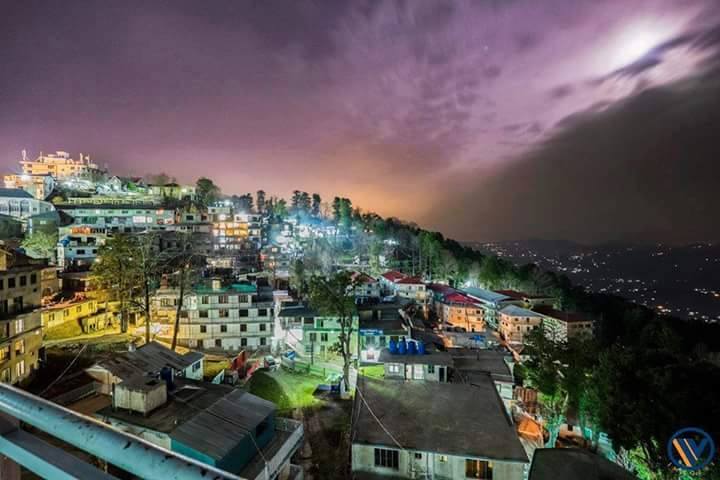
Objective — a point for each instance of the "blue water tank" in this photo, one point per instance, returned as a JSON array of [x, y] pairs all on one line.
[[402, 347], [421, 348], [412, 348], [393, 346]]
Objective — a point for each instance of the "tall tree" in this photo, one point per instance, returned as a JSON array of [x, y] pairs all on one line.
[[206, 192], [316, 203], [330, 296], [116, 270], [260, 201]]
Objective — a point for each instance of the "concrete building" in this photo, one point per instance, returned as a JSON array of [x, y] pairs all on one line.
[[449, 431], [378, 324], [172, 191], [561, 326], [20, 204], [70, 311], [492, 303], [58, 164], [227, 317], [312, 335], [365, 286], [431, 366], [516, 322], [39, 186], [121, 218], [20, 324]]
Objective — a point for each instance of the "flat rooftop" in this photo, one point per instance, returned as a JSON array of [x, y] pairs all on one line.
[[452, 419], [468, 362], [430, 357]]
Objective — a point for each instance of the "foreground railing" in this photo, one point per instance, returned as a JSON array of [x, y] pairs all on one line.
[[127, 452]]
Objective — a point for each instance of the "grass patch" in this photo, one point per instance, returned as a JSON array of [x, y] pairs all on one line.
[[211, 369], [373, 371], [64, 330], [287, 390]]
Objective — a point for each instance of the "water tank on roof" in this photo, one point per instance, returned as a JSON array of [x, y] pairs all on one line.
[[420, 348], [393, 347], [412, 348], [402, 346]]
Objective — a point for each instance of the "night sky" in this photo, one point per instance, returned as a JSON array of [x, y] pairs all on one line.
[[585, 120]]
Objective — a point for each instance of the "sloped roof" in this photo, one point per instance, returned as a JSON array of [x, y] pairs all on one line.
[[208, 431], [485, 295], [574, 463], [393, 275], [569, 317], [410, 281], [14, 193], [417, 415], [515, 311], [512, 294], [149, 358]]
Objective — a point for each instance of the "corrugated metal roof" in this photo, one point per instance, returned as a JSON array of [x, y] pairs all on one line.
[[14, 193], [515, 311], [209, 431]]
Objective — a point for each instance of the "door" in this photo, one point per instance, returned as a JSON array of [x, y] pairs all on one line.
[[441, 374]]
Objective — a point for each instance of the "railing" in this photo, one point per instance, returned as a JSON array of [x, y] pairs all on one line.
[[130, 453], [291, 445]]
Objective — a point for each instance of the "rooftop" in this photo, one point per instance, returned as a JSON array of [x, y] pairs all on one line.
[[459, 298], [485, 295], [393, 275], [150, 358], [475, 426], [470, 362], [410, 281], [431, 357], [196, 414], [515, 311], [514, 294], [569, 317], [297, 311], [573, 463], [14, 193]]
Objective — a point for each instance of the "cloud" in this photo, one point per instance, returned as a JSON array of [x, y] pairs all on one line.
[[493, 71], [644, 169], [561, 91]]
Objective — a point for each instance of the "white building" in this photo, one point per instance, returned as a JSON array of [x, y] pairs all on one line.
[[20, 204]]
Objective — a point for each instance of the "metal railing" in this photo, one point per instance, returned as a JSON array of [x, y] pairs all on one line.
[[125, 451]]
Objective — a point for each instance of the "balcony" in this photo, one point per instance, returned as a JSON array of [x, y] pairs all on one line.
[[289, 435]]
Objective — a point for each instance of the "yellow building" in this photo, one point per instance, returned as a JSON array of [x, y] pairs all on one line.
[[70, 311], [58, 164], [20, 327], [516, 322]]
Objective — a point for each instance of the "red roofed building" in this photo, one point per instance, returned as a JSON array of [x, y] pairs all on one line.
[[365, 286], [456, 309]]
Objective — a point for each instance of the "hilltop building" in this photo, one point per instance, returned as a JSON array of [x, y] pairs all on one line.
[[516, 322], [58, 164]]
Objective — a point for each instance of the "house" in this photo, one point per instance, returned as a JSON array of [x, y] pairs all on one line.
[[20, 324], [436, 431], [74, 310], [365, 286], [220, 316], [470, 364], [561, 326], [148, 359], [573, 464], [457, 309], [378, 324], [173, 190], [388, 280], [412, 360], [312, 335], [516, 322], [219, 425]]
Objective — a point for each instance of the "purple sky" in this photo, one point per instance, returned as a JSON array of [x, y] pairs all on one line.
[[410, 108]]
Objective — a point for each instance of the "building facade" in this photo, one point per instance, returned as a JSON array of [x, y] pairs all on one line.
[[20, 323], [516, 322]]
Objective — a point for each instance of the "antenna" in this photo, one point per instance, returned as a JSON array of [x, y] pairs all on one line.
[[24, 155]]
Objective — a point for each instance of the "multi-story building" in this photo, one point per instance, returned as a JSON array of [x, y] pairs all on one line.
[[39, 186], [492, 303], [217, 316], [58, 164], [456, 309], [365, 286], [311, 335], [18, 203], [122, 218], [78, 246], [173, 191], [561, 326], [20, 324], [71, 311], [516, 322]]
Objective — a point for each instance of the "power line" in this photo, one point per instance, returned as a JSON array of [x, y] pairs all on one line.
[[362, 397], [82, 349]]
